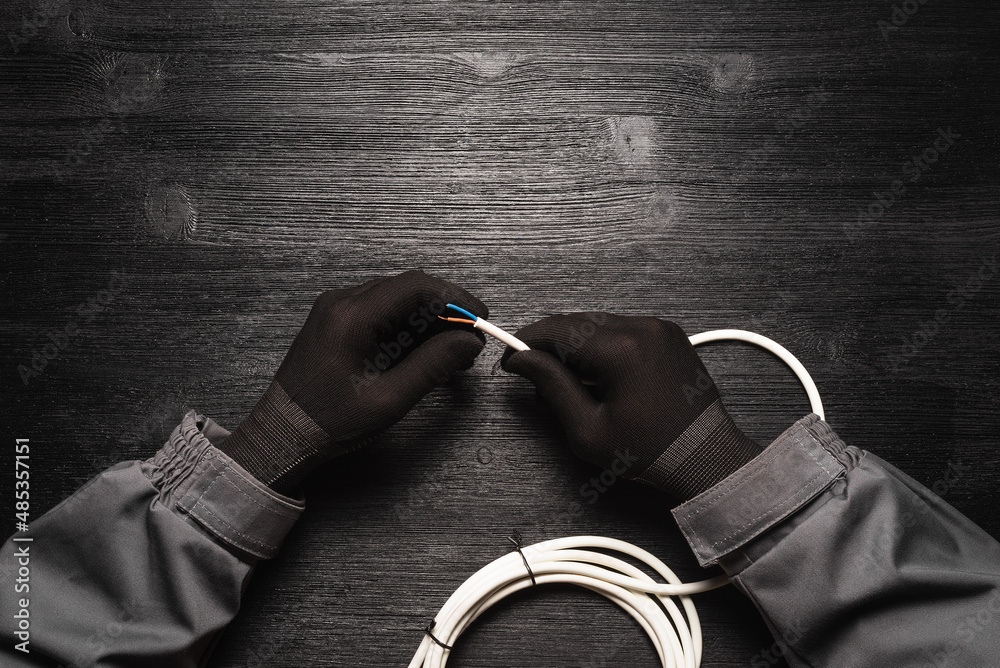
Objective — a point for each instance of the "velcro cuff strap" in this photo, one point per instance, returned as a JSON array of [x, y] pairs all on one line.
[[198, 479], [231, 504], [793, 470]]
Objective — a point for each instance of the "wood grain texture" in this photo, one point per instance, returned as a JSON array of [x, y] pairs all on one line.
[[710, 163]]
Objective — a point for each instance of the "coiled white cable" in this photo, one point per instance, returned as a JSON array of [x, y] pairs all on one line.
[[677, 640], [676, 636]]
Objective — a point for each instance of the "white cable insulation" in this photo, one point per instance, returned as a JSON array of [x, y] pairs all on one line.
[[815, 403], [676, 635], [497, 333]]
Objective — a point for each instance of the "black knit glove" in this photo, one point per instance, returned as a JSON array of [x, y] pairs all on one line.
[[652, 413], [363, 358]]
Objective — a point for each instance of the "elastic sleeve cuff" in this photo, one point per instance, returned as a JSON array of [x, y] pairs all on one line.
[[792, 471], [197, 479]]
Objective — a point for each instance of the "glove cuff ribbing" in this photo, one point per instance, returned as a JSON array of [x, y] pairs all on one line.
[[278, 443], [707, 452]]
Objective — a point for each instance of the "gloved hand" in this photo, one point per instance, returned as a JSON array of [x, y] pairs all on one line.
[[654, 414], [363, 358]]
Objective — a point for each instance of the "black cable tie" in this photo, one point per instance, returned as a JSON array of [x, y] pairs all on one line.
[[433, 637], [516, 539]]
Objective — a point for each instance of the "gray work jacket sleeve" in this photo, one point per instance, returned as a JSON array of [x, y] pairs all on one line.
[[144, 565], [851, 562]]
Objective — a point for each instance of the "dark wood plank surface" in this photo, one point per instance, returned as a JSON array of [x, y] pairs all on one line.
[[180, 179]]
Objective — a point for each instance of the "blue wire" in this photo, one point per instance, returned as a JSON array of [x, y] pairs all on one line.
[[464, 312]]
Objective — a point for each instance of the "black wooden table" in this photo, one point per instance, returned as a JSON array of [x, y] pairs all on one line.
[[180, 179]]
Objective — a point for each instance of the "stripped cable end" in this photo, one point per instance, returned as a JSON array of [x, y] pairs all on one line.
[[485, 326], [471, 316]]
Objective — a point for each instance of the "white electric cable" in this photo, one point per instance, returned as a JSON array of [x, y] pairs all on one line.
[[815, 403], [676, 636], [497, 333], [484, 325]]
